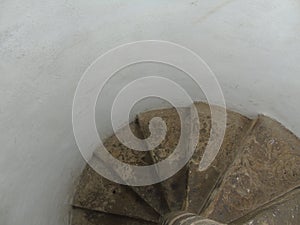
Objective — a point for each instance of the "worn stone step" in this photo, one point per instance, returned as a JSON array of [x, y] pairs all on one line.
[[152, 194], [99, 194], [267, 167], [87, 217], [175, 187], [282, 211], [200, 184]]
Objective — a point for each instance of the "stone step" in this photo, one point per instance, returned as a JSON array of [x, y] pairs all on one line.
[[87, 217], [152, 194], [201, 184], [175, 187], [284, 210], [99, 194], [267, 167]]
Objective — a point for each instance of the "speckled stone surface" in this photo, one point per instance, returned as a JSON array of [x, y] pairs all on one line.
[[152, 194], [189, 185], [283, 211], [87, 217], [267, 167], [99, 194], [200, 184], [174, 188], [250, 182]]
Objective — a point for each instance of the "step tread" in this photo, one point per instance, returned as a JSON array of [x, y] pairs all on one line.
[[200, 184], [152, 194], [268, 167], [284, 210], [99, 194], [174, 188], [87, 217]]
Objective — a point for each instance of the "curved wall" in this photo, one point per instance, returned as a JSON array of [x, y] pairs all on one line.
[[253, 46]]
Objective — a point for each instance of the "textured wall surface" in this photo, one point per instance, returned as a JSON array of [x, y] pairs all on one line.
[[253, 46]]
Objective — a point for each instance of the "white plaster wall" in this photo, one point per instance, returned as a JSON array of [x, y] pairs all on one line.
[[252, 45]]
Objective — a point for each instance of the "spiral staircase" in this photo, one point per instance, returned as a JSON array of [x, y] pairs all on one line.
[[255, 178]]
